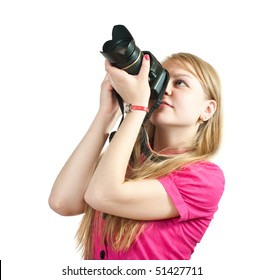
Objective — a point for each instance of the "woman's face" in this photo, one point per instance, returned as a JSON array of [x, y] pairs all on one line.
[[184, 101]]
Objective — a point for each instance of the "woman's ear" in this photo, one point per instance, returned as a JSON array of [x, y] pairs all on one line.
[[210, 108]]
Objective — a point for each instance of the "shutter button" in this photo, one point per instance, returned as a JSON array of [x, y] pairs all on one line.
[[102, 254]]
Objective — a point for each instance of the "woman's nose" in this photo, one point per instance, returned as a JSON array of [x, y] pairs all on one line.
[[168, 90]]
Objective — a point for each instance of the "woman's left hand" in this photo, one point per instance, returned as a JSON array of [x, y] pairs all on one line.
[[134, 89]]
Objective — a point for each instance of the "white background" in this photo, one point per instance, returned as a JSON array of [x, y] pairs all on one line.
[[50, 75]]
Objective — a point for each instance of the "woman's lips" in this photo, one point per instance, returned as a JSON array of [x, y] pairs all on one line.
[[167, 104]]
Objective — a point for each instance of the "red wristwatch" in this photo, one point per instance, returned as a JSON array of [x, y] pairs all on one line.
[[131, 108]]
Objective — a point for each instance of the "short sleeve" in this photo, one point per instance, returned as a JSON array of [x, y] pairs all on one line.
[[195, 190]]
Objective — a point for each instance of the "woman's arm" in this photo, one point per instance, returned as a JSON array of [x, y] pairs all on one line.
[[67, 195], [108, 191]]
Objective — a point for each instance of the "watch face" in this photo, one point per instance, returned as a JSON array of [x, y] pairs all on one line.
[[128, 108]]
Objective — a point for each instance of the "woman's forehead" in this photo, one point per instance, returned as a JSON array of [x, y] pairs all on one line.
[[176, 67]]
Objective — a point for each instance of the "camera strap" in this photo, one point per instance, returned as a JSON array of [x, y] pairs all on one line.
[[121, 106], [145, 146]]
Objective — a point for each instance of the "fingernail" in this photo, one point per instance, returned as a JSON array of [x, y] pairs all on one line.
[[146, 56]]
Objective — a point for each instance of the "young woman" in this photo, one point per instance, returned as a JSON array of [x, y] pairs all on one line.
[[139, 206]]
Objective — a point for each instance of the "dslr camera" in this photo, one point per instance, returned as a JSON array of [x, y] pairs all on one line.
[[123, 53]]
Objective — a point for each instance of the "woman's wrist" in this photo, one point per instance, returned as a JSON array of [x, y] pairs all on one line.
[[107, 119], [132, 107], [109, 114]]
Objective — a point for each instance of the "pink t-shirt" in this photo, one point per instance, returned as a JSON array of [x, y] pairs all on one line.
[[195, 192]]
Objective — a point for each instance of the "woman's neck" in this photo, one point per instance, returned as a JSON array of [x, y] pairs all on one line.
[[173, 140]]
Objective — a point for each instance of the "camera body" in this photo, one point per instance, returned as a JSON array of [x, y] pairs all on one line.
[[123, 53]]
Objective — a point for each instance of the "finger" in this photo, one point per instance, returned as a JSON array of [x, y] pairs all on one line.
[[106, 77], [144, 70], [107, 65], [110, 69]]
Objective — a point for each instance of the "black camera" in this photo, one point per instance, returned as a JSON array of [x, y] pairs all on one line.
[[123, 53]]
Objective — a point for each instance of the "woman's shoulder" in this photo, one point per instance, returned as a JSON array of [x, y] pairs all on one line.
[[202, 166], [206, 172], [198, 181]]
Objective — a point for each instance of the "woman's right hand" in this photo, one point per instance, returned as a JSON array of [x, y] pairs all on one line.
[[108, 100]]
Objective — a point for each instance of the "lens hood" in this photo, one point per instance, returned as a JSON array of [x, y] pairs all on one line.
[[122, 49], [120, 32]]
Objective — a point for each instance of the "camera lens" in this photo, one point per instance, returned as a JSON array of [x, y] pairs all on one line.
[[122, 51]]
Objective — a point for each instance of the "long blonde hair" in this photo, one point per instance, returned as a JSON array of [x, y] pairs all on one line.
[[121, 232]]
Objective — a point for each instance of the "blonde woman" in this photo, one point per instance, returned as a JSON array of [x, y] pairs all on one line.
[[156, 206]]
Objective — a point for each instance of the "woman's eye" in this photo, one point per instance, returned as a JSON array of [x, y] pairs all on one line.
[[180, 83]]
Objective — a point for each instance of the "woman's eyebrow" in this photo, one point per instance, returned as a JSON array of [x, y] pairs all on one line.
[[178, 75]]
